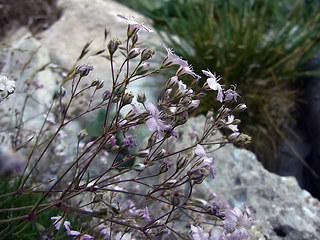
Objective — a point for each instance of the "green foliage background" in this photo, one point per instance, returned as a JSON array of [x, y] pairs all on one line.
[[25, 230], [261, 47]]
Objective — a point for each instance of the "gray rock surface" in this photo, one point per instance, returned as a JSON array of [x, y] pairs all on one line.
[[282, 210], [24, 61], [84, 21]]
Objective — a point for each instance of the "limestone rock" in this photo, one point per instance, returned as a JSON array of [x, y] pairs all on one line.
[[85, 21], [282, 209], [25, 61]]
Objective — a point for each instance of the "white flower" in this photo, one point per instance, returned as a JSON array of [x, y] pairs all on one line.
[[57, 223], [237, 221], [198, 233], [199, 151], [231, 126], [154, 123], [6, 84], [212, 82], [134, 26]]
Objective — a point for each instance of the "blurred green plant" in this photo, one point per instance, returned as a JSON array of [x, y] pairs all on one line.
[[260, 46], [19, 205]]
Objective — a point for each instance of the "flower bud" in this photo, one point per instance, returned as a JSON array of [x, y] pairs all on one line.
[[193, 105], [132, 30], [200, 202], [225, 112], [100, 84], [82, 134], [243, 139], [134, 52], [185, 100], [170, 182], [152, 140], [181, 119], [168, 91], [119, 90], [141, 98], [84, 70], [147, 53], [60, 93], [94, 82], [106, 95], [134, 39], [176, 199], [138, 166], [240, 107], [171, 82], [142, 153], [143, 68], [182, 162], [113, 46], [199, 174], [163, 168], [127, 99], [161, 153], [233, 136]]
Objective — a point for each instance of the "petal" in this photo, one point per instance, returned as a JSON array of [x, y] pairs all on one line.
[[208, 74], [220, 95], [212, 83], [152, 109], [200, 151], [152, 124], [74, 233]]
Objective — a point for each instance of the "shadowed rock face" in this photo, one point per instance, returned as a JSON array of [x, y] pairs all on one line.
[[282, 209], [305, 138], [311, 121]]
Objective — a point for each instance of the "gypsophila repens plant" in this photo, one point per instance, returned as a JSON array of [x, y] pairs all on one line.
[[153, 196]]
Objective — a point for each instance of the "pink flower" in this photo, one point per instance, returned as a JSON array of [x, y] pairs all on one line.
[[198, 233], [187, 70], [230, 95], [57, 223], [172, 59], [237, 221], [231, 126], [193, 134], [143, 213], [212, 82], [199, 151], [183, 87], [206, 161], [154, 123], [193, 105], [134, 26]]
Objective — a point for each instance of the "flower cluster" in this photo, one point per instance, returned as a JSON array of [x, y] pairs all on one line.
[[7, 87], [128, 186], [66, 224]]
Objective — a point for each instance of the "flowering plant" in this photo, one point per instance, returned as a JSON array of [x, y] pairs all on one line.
[[144, 189]]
